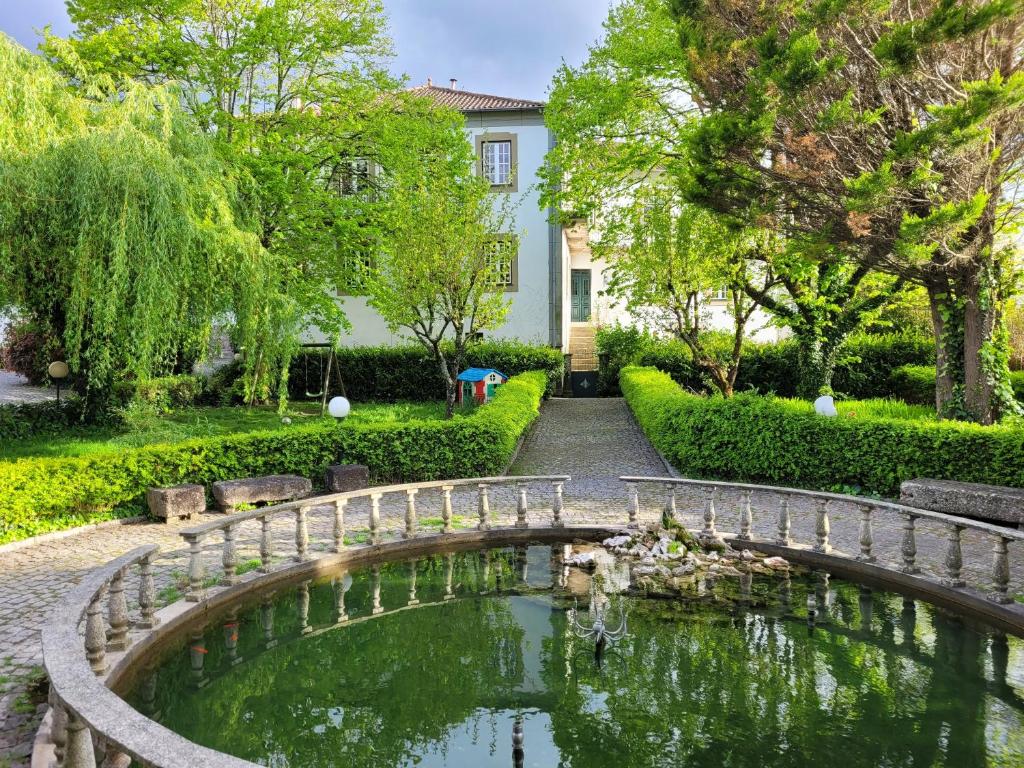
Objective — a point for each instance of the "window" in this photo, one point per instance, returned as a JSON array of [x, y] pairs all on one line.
[[350, 177], [496, 153], [720, 294], [354, 270], [502, 253]]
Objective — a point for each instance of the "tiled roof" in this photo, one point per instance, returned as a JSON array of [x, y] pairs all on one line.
[[467, 101]]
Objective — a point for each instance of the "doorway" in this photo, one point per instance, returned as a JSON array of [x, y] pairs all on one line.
[[581, 295]]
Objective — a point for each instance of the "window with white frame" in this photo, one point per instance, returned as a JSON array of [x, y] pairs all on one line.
[[350, 177], [355, 268], [502, 254], [496, 153], [720, 294]]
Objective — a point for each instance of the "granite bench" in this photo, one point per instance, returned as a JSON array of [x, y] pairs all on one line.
[[258, 490], [178, 501], [992, 503]]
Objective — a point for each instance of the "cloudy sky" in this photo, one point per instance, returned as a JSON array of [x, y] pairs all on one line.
[[510, 50]]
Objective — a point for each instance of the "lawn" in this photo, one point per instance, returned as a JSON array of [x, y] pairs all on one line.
[[190, 423]]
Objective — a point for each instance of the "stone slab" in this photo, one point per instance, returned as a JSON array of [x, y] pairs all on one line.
[[177, 501], [341, 478], [255, 490], [994, 503]]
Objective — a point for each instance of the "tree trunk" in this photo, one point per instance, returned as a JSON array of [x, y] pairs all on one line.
[[980, 314], [816, 365], [946, 354]]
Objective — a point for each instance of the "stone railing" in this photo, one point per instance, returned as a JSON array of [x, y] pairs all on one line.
[[336, 504], [953, 579], [89, 724]]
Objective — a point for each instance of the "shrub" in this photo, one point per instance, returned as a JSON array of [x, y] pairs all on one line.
[[27, 350], [18, 422], [41, 494], [617, 347], [916, 384], [163, 394], [783, 442], [408, 373]]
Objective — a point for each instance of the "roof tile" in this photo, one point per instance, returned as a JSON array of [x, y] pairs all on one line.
[[467, 101]]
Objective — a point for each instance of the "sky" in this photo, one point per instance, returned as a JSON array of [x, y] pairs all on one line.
[[507, 50]]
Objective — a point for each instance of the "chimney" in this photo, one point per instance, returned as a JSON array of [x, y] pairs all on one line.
[[430, 83], [455, 84]]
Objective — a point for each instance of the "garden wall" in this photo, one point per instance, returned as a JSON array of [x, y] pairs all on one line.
[[44, 494], [783, 442]]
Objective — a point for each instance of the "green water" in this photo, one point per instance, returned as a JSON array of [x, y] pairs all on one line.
[[721, 678]]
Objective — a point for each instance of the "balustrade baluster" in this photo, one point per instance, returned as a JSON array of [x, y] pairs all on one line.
[[339, 598], [866, 605], [58, 730], [377, 608], [413, 600], [822, 528], [634, 505], [411, 523], [484, 508], [709, 534], [746, 517], [446, 508], [197, 658], [783, 538], [267, 621], [449, 574], [116, 759], [521, 508], [954, 558], [909, 546], [195, 568], [557, 505], [117, 614], [1001, 571], [147, 594], [302, 608], [301, 533], [79, 752], [266, 544], [230, 559], [867, 538], [339, 524]]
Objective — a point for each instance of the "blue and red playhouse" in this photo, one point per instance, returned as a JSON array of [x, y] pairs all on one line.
[[479, 384]]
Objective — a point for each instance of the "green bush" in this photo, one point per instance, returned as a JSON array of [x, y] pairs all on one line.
[[916, 384], [408, 373], [864, 364], [617, 347], [43, 494], [776, 441], [21, 421]]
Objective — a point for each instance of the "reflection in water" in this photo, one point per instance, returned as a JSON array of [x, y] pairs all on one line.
[[470, 660]]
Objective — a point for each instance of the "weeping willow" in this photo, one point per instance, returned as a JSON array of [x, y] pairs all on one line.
[[122, 231]]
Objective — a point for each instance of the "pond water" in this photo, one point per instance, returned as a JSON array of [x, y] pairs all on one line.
[[722, 677]]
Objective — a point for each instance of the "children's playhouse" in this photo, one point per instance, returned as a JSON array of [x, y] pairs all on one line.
[[479, 384]]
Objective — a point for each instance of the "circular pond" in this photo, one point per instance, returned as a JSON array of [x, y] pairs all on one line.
[[434, 662]]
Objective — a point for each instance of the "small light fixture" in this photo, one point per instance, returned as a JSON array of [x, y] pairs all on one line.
[[58, 371], [339, 407]]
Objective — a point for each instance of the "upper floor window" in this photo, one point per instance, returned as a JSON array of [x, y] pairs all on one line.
[[720, 294], [350, 177], [496, 153], [502, 253]]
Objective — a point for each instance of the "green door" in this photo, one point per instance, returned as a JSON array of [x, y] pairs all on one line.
[[581, 295], [490, 391]]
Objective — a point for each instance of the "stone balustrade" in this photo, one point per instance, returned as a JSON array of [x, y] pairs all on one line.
[[821, 551]]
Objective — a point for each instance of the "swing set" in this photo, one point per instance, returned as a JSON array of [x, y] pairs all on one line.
[[323, 379]]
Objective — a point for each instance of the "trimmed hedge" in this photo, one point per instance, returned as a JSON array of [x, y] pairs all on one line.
[[864, 364], [41, 494], [916, 384], [21, 421], [407, 373], [775, 441]]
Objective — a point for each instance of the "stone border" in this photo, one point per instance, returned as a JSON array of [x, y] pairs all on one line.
[[44, 538]]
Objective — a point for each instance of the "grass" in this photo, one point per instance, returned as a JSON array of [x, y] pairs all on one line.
[[190, 423]]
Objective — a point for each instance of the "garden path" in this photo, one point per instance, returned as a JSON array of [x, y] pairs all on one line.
[[593, 440], [14, 389]]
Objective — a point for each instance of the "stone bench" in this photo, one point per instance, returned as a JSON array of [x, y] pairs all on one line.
[[178, 501], [342, 478], [992, 503], [257, 490]]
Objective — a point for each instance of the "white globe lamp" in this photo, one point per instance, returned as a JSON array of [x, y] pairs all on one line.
[[825, 406], [339, 407]]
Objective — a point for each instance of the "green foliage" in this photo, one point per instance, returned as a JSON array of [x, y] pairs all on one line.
[[27, 349], [20, 421], [42, 494], [617, 347], [408, 373], [916, 384], [775, 441]]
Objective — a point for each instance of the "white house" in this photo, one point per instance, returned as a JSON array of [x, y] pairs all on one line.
[[554, 283]]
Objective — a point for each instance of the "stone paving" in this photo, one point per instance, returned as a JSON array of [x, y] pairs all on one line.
[[593, 440], [14, 389]]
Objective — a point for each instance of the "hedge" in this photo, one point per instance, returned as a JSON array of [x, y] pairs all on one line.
[[41, 494], [23, 420], [864, 365], [916, 384], [775, 441], [408, 373]]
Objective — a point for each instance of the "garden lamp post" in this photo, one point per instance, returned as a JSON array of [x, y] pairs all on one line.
[[58, 371]]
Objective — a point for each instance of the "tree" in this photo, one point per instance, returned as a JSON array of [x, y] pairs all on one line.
[[121, 232], [446, 239], [288, 89], [624, 118], [888, 130], [666, 258]]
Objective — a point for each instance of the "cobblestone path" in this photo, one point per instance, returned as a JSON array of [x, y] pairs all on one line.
[[592, 440]]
